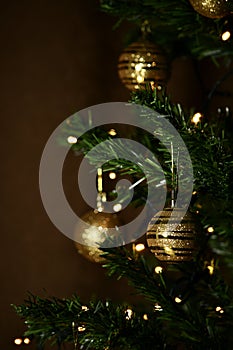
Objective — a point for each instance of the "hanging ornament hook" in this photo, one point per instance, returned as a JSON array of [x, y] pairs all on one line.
[[145, 29]]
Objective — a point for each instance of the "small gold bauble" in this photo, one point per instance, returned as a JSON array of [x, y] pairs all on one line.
[[211, 8], [141, 63], [172, 245], [94, 235]]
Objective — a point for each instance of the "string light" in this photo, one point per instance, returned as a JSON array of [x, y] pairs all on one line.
[[227, 29], [139, 247], [211, 267], [112, 132], [227, 111], [72, 139], [226, 35], [158, 307], [104, 197], [18, 341], [129, 314], [81, 328], [112, 175], [117, 207], [158, 269], [145, 317], [196, 118], [85, 308], [194, 192], [210, 229], [219, 309], [178, 300]]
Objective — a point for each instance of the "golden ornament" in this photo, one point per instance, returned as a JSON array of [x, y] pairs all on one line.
[[211, 8], [172, 245], [94, 235], [141, 63]]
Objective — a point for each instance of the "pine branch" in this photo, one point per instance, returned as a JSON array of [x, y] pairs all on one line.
[[194, 322], [195, 319], [57, 320], [175, 25], [209, 145]]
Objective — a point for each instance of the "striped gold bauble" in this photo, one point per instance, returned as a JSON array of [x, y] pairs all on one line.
[[169, 244], [143, 63]]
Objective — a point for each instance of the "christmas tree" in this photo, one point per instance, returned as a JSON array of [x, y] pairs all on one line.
[[180, 268]]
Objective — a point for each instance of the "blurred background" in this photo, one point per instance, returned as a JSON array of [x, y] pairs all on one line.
[[58, 57]]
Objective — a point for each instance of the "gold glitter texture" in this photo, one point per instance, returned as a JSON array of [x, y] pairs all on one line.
[[211, 8], [172, 246], [141, 63], [94, 235]]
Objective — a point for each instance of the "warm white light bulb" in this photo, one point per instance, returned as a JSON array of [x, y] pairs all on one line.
[[112, 175], [72, 139], [129, 314], [158, 307], [26, 341], [196, 118], [210, 229], [117, 207], [211, 269], [158, 269], [18, 341], [112, 132], [178, 300], [139, 247], [226, 35]]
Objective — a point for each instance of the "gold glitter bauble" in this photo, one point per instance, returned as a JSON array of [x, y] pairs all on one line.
[[141, 63], [211, 8], [94, 235], [169, 245]]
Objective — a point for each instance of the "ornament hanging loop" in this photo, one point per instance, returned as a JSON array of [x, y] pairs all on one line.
[[145, 29], [174, 175]]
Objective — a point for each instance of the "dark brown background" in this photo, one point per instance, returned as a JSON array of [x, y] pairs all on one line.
[[57, 57]]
